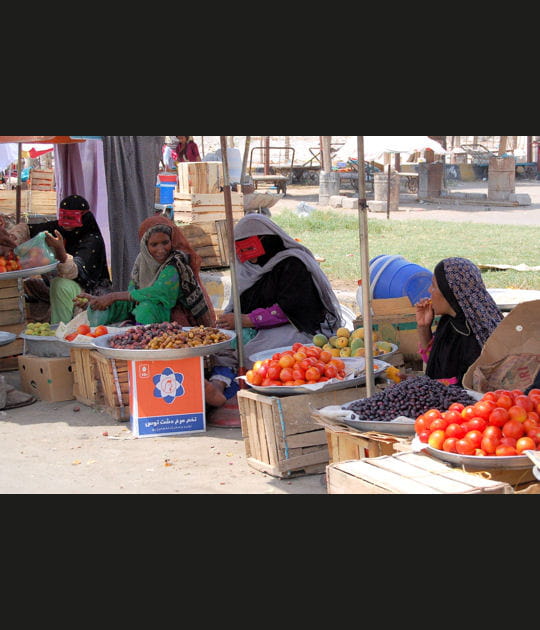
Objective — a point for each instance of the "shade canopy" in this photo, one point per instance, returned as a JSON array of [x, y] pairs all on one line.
[[376, 146], [41, 139]]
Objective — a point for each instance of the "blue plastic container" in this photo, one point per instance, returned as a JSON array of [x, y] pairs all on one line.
[[166, 193], [395, 277]]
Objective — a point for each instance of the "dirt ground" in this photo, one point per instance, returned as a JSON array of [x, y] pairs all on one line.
[[69, 448]]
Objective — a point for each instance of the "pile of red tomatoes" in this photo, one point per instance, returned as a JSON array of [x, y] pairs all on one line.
[[301, 365], [502, 423]]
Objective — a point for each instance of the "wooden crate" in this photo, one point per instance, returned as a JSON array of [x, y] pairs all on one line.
[[395, 321], [114, 383], [13, 319], [42, 180], [407, 473], [280, 437], [209, 240], [200, 177], [86, 384], [12, 303], [201, 208], [32, 202], [346, 443]]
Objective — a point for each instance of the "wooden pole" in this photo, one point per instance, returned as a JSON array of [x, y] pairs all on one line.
[[389, 191], [326, 154], [232, 255], [247, 149], [364, 270], [19, 185]]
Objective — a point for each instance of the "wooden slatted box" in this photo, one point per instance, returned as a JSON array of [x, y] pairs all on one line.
[[114, 383], [346, 443], [200, 177], [407, 473], [280, 437], [32, 202], [86, 384], [13, 319]]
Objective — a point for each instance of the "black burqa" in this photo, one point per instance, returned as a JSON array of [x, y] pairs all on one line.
[[459, 340]]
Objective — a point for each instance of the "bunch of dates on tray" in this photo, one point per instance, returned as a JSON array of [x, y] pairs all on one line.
[[166, 336]]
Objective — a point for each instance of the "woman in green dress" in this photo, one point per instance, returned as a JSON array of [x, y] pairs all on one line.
[[165, 283]]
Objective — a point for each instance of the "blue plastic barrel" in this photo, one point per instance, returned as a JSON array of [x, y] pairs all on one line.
[[395, 277]]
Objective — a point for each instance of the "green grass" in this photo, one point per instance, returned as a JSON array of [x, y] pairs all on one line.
[[335, 237]]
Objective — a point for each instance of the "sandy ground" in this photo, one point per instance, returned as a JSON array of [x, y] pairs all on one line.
[[69, 448]]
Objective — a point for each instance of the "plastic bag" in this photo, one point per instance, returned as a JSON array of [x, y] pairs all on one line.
[[35, 252]]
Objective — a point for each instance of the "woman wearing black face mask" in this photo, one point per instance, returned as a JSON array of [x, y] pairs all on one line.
[[79, 248]]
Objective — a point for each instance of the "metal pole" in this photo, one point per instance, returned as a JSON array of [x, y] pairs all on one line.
[[364, 267], [232, 255]]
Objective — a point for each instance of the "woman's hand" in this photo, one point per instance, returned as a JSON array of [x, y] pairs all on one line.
[[425, 314], [56, 243], [98, 302], [226, 321]]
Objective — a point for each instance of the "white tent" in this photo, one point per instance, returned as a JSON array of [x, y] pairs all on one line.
[[376, 146]]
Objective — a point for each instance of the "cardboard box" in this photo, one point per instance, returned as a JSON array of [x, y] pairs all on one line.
[[280, 437], [47, 378], [167, 397], [407, 473], [510, 358]]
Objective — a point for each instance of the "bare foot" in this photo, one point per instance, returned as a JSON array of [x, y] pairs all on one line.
[[213, 395]]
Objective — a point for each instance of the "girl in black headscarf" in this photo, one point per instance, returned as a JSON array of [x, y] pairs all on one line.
[[79, 248], [469, 316]]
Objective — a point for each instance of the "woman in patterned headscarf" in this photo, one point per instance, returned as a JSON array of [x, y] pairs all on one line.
[[165, 284], [469, 316]]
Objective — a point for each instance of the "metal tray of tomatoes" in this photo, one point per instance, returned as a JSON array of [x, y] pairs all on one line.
[[102, 345], [482, 462], [26, 273], [353, 379]]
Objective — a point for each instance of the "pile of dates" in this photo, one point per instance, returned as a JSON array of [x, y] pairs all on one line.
[[166, 336]]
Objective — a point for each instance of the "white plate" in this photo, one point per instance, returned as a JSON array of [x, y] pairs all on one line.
[[6, 337], [26, 273], [328, 386], [80, 344]]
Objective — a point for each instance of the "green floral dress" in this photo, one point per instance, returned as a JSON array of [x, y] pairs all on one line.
[[153, 304]]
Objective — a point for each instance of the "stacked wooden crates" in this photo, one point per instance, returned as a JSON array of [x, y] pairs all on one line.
[[200, 208], [13, 319], [40, 202]]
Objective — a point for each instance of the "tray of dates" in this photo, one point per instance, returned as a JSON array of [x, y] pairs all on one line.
[[495, 432], [162, 342]]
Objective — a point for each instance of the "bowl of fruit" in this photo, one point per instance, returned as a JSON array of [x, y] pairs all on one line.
[[40, 340]]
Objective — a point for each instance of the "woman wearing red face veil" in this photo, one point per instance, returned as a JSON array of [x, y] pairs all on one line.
[[79, 248]]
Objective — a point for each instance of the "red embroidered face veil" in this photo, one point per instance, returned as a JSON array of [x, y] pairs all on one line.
[[71, 211], [249, 248]]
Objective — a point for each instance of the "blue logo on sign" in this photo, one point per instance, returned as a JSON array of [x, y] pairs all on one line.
[[169, 385]]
